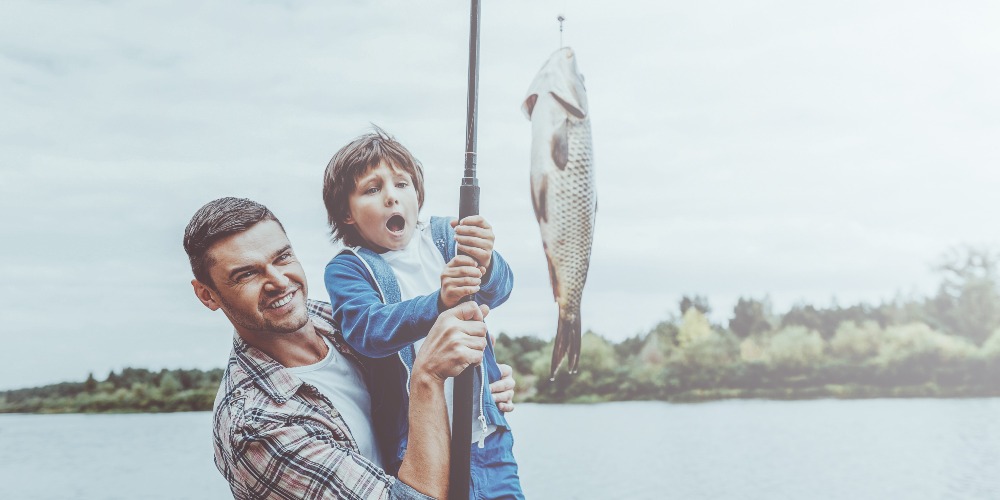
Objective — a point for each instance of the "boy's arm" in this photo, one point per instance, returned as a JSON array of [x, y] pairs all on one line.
[[497, 283], [372, 328], [474, 237]]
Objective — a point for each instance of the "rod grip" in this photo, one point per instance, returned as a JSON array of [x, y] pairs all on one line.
[[461, 412], [468, 198]]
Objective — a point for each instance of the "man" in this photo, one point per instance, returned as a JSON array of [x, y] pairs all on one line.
[[276, 436]]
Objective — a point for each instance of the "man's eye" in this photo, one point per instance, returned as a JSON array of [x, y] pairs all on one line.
[[244, 276], [285, 256]]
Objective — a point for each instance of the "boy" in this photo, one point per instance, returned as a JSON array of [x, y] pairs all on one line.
[[388, 287]]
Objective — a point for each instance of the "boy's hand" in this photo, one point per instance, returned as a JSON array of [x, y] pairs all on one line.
[[503, 389], [460, 277], [474, 237]]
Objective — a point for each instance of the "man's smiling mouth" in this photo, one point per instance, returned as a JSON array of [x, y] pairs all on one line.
[[396, 223], [280, 302]]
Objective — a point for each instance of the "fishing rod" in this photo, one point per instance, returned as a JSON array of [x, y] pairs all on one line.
[[468, 205]]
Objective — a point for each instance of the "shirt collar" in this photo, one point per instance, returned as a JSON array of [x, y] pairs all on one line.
[[272, 377]]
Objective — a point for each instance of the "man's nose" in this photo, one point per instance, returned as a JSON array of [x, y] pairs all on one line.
[[276, 280]]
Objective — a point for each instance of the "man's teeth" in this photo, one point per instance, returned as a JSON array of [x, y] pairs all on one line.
[[287, 299]]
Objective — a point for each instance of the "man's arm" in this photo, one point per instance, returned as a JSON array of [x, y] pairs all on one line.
[[301, 459], [456, 341]]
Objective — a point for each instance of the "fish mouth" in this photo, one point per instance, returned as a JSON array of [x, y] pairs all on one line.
[[395, 224]]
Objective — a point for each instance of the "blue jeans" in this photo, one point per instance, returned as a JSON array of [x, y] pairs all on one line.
[[493, 471]]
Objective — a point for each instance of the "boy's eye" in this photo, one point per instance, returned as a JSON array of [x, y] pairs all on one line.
[[401, 184], [371, 190]]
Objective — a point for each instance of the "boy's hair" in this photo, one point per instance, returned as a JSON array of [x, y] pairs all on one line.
[[351, 162], [213, 222]]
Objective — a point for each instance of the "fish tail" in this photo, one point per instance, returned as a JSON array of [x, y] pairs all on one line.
[[574, 342], [567, 342]]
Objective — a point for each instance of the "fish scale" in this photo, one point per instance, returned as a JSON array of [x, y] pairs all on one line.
[[563, 191], [574, 195]]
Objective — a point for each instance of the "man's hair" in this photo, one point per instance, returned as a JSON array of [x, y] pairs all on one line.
[[216, 220], [350, 163]]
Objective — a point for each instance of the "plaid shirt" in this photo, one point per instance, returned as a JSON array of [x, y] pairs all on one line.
[[277, 437]]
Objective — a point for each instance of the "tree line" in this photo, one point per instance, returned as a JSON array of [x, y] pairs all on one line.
[[131, 390], [943, 345]]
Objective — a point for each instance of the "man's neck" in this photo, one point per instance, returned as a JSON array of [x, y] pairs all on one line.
[[301, 348]]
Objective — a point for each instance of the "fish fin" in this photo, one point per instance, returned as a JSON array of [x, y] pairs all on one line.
[[567, 340], [560, 147], [538, 197], [529, 105], [553, 279], [569, 107]]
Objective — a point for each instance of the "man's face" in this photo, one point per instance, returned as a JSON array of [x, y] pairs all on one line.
[[384, 208], [259, 283]]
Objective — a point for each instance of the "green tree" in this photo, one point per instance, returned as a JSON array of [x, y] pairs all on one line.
[[694, 327], [169, 384], [750, 316], [967, 301], [698, 302]]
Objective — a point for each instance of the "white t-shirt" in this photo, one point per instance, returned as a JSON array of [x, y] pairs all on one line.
[[418, 270], [341, 382]]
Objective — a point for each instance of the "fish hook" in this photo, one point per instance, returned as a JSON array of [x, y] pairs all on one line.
[[561, 18]]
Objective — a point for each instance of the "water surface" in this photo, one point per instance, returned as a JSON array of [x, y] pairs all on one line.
[[919, 449]]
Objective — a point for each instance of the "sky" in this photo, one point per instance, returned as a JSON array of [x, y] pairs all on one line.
[[802, 151]]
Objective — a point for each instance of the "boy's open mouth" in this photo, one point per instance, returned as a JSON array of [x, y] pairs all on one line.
[[396, 223]]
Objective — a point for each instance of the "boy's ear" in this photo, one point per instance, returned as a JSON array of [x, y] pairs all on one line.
[[205, 295], [349, 220]]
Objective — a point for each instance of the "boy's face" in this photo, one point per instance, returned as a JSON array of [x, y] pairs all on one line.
[[384, 208]]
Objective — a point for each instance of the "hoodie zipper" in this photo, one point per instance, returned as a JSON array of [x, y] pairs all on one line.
[[482, 413]]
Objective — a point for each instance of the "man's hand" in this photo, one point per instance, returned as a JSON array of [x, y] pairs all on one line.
[[503, 389], [474, 237], [456, 341], [460, 277]]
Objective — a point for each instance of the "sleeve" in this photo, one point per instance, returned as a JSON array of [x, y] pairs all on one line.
[[498, 284], [304, 461], [372, 328]]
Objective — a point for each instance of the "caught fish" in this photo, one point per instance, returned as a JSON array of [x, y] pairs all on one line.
[[562, 190]]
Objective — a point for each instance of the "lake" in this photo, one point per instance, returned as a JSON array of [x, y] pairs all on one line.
[[879, 448]]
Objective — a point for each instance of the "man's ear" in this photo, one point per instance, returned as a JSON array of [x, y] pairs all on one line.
[[205, 295]]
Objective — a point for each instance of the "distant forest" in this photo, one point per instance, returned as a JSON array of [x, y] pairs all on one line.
[[945, 345], [131, 390]]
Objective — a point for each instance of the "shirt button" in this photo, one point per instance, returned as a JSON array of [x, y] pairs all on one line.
[[238, 393]]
